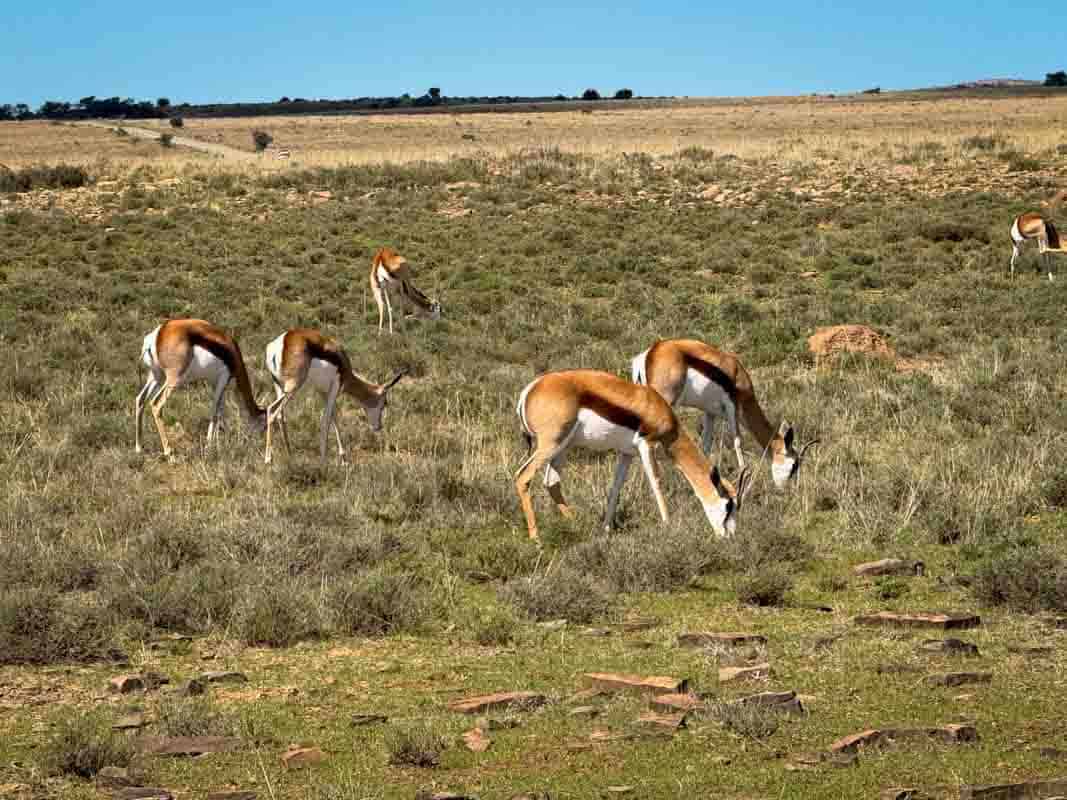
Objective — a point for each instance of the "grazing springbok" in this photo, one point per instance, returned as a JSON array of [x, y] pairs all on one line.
[[599, 411], [182, 351], [390, 273], [301, 354], [690, 373], [1033, 226]]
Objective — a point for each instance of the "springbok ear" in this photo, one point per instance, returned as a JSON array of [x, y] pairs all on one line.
[[716, 478], [394, 381]]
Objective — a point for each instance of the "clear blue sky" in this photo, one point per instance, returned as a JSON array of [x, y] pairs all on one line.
[[230, 50]]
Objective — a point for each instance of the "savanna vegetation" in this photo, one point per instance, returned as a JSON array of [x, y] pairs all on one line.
[[405, 580]]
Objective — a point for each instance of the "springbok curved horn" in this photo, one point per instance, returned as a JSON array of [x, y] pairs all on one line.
[[394, 381], [804, 449], [744, 485]]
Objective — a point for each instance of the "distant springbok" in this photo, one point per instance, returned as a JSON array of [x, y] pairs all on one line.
[[1033, 226], [390, 273], [282, 154]]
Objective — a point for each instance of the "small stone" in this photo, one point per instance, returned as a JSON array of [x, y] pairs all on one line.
[[124, 684], [958, 678], [141, 793], [677, 702], [584, 711], [190, 688], [524, 701], [359, 720], [597, 632], [704, 639], [854, 741], [475, 740], [921, 620], [652, 684], [153, 680], [950, 646], [755, 672], [301, 757], [186, 745], [129, 722], [899, 793], [223, 676], [889, 566], [671, 722]]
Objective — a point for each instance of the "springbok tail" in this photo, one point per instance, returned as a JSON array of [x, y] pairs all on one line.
[[1052, 235], [638, 369]]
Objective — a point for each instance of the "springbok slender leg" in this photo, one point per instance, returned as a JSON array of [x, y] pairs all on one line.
[[1014, 256], [648, 461], [274, 411], [731, 428], [217, 408], [144, 396], [552, 483], [157, 408], [546, 449], [327, 420], [706, 434], [622, 467]]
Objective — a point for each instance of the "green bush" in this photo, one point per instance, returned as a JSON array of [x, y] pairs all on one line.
[[561, 592], [83, 744], [58, 176], [40, 626], [1025, 578], [414, 746], [766, 585]]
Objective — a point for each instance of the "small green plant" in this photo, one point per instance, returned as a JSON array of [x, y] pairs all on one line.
[[765, 585], [83, 744], [890, 588], [417, 745], [751, 720], [166, 139], [261, 140], [986, 143], [494, 626], [193, 716], [177, 122], [1026, 578]]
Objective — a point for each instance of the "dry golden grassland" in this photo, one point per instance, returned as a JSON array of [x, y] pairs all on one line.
[[404, 580]]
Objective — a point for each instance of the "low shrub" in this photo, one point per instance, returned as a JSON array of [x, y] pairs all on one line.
[[750, 720], [192, 716], [1025, 578], [415, 746], [57, 176], [83, 744], [765, 585], [378, 602], [40, 626], [561, 592]]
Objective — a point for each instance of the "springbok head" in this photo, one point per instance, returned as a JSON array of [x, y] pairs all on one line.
[[376, 408], [785, 458], [722, 511]]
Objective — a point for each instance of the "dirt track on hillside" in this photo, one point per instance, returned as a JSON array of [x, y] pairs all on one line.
[[220, 150]]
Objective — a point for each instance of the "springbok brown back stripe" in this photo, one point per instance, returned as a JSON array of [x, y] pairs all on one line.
[[609, 411], [216, 348], [334, 357], [714, 374]]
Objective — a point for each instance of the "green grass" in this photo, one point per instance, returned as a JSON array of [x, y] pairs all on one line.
[[404, 580]]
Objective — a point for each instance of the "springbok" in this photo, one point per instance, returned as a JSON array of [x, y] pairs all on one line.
[[182, 351], [599, 411], [1033, 226], [300, 354], [390, 273], [690, 373]]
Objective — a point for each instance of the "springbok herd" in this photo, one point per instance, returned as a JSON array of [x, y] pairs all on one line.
[[558, 410]]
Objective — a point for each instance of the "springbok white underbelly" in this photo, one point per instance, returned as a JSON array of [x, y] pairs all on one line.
[[322, 375], [702, 392], [203, 366], [594, 432]]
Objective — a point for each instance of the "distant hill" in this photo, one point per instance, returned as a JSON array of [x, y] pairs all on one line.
[[992, 83]]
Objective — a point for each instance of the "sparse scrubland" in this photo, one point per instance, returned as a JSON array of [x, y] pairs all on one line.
[[405, 580]]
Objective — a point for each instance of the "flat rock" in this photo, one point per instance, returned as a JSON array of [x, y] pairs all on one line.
[[950, 621], [671, 722], [301, 757], [141, 793], [186, 745], [956, 647], [673, 703], [475, 740], [358, 720], [958, 678], [709, 639], [1027, 790], [755, 672], [949, 734], [889, 566], [129, 722], [650, 684], [124, 684], [584, 711], [782, 702], [223, 676], [523, 701]]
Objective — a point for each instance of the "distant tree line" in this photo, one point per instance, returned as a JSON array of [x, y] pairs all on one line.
[[1056, 78], [129, 108]]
